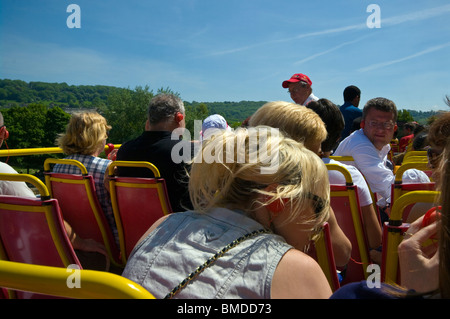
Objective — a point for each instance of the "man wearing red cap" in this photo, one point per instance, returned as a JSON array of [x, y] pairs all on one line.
[[299, 87]]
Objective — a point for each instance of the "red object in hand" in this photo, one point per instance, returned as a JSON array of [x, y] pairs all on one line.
[[110, 148], [430, 217]]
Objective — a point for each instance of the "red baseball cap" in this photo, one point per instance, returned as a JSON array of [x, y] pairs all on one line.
[[297, 78]]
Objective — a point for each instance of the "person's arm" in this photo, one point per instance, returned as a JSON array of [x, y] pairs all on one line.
[[14, 188], [370, 220], [342, 247], [378, 176], [419, 265], [298, 276], [372, 226], [79, 243]]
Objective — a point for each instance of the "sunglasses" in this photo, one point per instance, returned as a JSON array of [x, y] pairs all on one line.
[[433, 155]]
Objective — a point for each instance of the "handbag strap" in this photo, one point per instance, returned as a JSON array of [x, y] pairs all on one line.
[[211, 261]]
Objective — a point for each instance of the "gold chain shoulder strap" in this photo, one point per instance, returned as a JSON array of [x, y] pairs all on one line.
[[211, 260]]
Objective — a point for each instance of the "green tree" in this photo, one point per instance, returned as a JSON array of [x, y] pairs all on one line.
[[26, 125], [194, 113], [56, 122], [30, 127], [404, 116], [126, 112]]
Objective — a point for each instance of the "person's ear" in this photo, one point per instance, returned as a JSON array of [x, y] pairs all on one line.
[[276, 206], [362, 124], [4, 134], [179, 117]]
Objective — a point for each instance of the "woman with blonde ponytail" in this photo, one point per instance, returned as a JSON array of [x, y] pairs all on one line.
[[258, 199]]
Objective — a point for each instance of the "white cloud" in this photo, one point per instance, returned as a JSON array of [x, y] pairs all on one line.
[[392, 21], [399, 60], [417, 15], [311, 57]]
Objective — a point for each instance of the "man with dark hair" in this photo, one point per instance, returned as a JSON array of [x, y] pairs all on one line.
[[349, 109], [370, 145], [166, 115], [408, 136]]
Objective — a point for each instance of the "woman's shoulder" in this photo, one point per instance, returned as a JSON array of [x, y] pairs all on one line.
[[291, 284]]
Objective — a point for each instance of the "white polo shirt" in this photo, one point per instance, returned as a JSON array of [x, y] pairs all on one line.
[[13, 188], [336, 177], [310, 98], [371, 162]]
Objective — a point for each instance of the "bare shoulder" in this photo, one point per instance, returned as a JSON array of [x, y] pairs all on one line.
[[299, 276]]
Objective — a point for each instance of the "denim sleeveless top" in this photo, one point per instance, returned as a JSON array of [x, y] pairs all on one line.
[[186, 240]]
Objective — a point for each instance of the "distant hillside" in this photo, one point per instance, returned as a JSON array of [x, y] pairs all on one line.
[[71, 97], [16, 92], [422, 117], [232, 111]]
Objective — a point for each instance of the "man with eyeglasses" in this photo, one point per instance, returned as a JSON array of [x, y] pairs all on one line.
[[370, 145], [299, 87]]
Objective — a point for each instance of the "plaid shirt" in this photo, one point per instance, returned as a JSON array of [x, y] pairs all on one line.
[[96, 167]]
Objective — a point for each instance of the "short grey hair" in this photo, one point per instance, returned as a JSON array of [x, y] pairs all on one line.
[[163, 106]]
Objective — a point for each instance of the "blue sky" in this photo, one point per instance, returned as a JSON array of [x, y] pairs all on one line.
[[210, 50]]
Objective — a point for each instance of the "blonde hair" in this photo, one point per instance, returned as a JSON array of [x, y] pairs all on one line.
[[439, 130], [84, 134], [298, 122], [238, 175]]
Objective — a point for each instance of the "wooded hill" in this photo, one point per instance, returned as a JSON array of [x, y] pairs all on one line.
[[20, 93]]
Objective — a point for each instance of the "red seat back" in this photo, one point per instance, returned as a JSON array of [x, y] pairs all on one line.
[[398, 189], [137, 203], [352, 225], [322, 251], [32, 230], [344, 201], [78, 210], [80, 207]]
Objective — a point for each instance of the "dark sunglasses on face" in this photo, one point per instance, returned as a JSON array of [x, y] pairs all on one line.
[[433, 155]]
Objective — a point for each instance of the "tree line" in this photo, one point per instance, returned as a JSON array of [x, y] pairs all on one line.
[[37, 112]]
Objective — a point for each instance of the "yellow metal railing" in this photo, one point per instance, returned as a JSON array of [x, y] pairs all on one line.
[[37, 151]]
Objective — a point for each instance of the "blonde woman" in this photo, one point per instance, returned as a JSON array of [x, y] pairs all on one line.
[[305, 126], [84, 140], [258, 198]]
